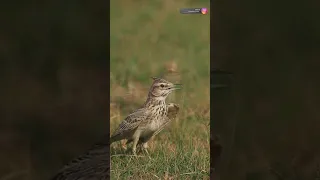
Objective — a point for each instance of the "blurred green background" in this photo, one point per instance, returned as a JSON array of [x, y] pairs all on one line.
[[272, 47], [151, 38]]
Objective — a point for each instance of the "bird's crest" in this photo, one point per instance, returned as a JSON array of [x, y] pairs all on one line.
[[159, 79], [155, 78]]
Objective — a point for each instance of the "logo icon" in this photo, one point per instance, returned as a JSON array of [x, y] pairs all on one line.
[[204, 10]]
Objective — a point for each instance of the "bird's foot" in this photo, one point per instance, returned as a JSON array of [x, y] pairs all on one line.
[[134, 151], [145, 149], [124, 145]]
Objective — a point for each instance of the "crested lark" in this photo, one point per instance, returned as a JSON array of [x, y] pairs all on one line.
[[144, 122], [173, 110], [140, 125]]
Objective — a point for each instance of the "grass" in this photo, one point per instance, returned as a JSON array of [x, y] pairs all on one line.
[[151, 38]]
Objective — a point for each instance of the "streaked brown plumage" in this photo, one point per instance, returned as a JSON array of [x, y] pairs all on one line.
[[173, 110], [144, 122]]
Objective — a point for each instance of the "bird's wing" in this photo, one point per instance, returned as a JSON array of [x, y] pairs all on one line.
[[166, 122], [172, 114], [132, 121]]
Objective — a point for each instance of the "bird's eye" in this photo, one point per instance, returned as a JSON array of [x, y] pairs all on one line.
[[162, 85]]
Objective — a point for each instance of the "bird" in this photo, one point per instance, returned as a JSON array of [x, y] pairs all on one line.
[[173, 110], [143, 123], [94, 165]]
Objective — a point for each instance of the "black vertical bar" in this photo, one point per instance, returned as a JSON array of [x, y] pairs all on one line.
[[215, 146], [107, 31], [215, 149], [222, 103], [46, 50]]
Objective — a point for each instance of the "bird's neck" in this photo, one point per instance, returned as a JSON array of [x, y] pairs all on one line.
[[155, 103]]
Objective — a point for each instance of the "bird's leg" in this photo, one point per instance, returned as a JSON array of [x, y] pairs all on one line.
[[134, 146], [124, 144], [145, 147]]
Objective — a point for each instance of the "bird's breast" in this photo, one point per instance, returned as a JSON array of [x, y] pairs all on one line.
[[152, 126]]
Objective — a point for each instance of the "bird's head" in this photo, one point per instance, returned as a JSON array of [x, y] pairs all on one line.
[[161, 88]]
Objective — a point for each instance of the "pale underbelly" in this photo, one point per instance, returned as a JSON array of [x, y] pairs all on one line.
[[150, 129]]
